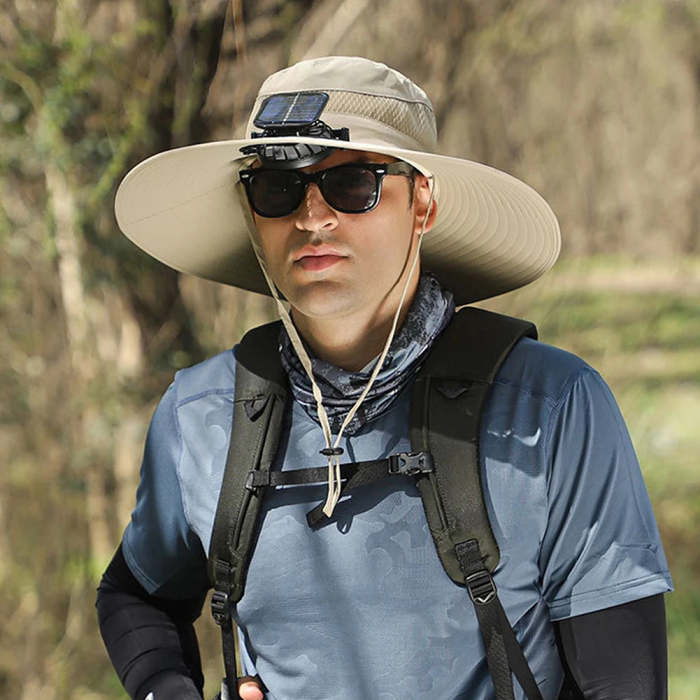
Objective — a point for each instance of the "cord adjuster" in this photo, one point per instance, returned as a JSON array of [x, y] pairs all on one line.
[[332, 451]]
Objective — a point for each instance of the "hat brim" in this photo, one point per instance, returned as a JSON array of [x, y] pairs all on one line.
[[186, 208]]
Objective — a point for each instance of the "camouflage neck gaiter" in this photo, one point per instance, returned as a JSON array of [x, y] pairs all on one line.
[[430, 312]]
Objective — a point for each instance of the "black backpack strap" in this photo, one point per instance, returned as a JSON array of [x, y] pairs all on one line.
[[448, 401], [258, 408]]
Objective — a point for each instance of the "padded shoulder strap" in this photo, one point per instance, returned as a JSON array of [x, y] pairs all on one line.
[[448, 399], [258, 407]]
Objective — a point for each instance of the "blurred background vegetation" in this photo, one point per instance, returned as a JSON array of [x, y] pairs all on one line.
[[596, 104]]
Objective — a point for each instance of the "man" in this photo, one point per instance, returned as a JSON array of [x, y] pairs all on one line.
[[371, 238]]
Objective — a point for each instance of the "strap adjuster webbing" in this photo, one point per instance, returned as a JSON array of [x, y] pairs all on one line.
[[481, 587], [220, 610]]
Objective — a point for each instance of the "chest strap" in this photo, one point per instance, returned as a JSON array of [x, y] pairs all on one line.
[[352, 474]]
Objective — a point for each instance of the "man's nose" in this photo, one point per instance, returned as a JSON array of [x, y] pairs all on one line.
[[314, 213]]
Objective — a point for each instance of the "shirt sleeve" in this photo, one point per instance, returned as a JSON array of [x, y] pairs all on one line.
[[601, 546], [162, 551]]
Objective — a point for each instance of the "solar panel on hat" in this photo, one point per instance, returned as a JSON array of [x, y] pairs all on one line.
[[291, 109]]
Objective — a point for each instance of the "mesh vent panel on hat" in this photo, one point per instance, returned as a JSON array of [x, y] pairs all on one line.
[[415, 119]]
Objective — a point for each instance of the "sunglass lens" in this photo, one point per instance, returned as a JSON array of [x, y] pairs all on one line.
[[351, 189], [275, 193]]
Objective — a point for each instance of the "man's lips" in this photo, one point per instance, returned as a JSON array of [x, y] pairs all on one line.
[[318, 262], [317, 258]]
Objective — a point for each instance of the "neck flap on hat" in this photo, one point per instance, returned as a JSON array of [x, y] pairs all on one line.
[[430, 312]]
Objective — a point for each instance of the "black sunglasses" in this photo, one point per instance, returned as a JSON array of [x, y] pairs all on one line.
[[352, 188]]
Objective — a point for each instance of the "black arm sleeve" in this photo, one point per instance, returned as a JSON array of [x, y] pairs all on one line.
[[616, 654], [150, 641]]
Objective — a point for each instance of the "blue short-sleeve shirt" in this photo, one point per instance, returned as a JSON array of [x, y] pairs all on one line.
[[362, 607]]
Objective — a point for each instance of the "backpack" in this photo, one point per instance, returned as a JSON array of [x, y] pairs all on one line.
[[448, 398]]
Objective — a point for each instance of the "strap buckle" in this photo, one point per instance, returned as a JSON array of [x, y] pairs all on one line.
[[250, 482], [220, 610], [411, 463], [482, 589], [256, 479]]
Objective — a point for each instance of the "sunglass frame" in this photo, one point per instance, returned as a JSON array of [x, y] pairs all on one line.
[[379, 170]]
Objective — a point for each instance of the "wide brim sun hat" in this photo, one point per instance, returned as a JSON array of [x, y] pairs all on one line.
[[187, 207]]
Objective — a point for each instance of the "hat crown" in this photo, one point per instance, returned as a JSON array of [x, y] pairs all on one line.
[[362, 95]]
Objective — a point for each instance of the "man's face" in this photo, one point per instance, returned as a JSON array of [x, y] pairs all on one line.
[[329, 264]]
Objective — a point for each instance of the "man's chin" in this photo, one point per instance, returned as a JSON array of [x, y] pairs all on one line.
[[323, 300]]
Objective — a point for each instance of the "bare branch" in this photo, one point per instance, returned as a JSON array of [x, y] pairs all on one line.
[[27, 84], [239, 39], [343, 18]]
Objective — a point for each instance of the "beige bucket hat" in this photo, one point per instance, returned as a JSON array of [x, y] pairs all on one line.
[[187, 207]]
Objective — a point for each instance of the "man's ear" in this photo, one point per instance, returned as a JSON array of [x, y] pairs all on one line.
[[421, 198]]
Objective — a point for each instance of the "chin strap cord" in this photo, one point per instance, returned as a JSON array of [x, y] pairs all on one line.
[[332, 450]]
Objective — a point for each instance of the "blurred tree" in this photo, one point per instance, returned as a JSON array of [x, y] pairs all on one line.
[[89, 88]]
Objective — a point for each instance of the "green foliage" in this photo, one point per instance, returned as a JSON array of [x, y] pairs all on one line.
[[638, 324]]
